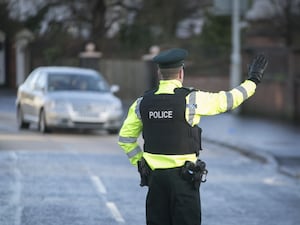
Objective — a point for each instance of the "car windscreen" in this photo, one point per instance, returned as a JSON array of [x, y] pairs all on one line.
[[76, 82]]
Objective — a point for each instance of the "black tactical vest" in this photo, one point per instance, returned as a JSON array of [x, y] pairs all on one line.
[[165, 129]]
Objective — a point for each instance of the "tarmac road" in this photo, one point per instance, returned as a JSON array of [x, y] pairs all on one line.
[[86, 179], [75, 178]]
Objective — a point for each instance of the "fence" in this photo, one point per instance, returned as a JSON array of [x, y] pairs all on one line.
[[133, 76], [278, 96]]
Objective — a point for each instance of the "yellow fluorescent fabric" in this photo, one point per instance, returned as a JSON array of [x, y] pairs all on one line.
[[157, 161], [168, 86], [129, 133], [198, 103], [214, 103]]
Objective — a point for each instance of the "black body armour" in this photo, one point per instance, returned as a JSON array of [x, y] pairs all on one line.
[[165, 129]]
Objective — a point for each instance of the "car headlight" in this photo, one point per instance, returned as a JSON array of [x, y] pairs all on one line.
[[116, 110], [57, 105], [116, 107]]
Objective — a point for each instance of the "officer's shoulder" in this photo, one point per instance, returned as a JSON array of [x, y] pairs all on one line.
[[189, 89], [150, 91]]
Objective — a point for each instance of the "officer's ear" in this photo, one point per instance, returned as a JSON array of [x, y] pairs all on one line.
[[159, 74], [181, 74]]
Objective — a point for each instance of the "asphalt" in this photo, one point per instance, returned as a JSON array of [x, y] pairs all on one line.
[[269, 141]]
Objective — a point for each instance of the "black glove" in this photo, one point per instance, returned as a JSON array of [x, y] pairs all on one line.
[[145, 172], [257, 68]]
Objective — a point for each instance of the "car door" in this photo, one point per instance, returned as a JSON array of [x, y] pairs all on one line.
[[38, 95], [26, 95]]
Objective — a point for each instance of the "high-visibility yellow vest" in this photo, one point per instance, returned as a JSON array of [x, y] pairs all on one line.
[[198, 103]]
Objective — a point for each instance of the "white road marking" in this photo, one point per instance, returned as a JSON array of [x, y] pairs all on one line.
[[110, 205], [16, 197], [98, 184], [115, 212]]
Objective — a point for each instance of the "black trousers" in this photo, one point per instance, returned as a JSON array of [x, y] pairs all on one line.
[[171, 200]]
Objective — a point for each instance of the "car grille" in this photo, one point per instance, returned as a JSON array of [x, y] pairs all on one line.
[[87, 109], [89, 125]]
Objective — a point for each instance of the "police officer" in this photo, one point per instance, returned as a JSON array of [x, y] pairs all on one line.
[[168, 117]]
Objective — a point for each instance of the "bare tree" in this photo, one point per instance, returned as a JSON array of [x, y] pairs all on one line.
[[91, 19], [162, 17], [282, 17], [287, 18]]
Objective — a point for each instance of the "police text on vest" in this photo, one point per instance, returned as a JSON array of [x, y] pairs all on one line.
[[161, 114]]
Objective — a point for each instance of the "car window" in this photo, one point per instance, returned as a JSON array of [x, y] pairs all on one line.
[[76, 82], [40, 82], [29, 82]]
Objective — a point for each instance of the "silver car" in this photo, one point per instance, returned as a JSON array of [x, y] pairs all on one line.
[[68, 97]]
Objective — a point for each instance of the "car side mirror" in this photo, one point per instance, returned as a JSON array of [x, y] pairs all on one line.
[[40, 88], [114, 88]]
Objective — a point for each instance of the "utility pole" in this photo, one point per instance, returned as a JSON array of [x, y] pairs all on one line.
[[235, 70], [235, 73]]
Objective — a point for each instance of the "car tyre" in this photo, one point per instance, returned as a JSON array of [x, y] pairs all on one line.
[[42, 126], [20, 119], [113, 131]]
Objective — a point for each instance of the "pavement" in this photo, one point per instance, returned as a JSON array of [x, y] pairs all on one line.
[[269, 141]]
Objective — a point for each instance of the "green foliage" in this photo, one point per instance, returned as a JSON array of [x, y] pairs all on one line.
[[210, 51], [33, 22], [55, 47], [135, 37], [216, 33], [7, 25], [51, 54]]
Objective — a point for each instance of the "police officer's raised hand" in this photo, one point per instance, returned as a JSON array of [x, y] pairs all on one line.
[[257, 68]]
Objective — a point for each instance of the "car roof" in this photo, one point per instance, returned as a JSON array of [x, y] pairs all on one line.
[[67, 70]]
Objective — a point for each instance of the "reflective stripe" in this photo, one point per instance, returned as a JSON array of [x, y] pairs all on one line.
[[229, 100], [243, 91], [134, 152], [127, 139], [192, 107], [137, 108]]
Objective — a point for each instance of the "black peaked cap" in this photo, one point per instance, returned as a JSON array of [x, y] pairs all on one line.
[[171, 58]]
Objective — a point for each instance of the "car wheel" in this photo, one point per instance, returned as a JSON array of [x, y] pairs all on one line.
[[42, 126], [113, 131], [20, 119]]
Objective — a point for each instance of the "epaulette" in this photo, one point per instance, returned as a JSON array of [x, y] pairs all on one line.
[[190, 89], [150, 91], [187, 89]]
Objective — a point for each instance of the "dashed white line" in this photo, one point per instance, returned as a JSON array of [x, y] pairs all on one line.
[[110, 205], [16, 198], [115, 212], [98, 184]]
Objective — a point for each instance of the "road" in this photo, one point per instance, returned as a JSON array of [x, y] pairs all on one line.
[[85, 179]]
